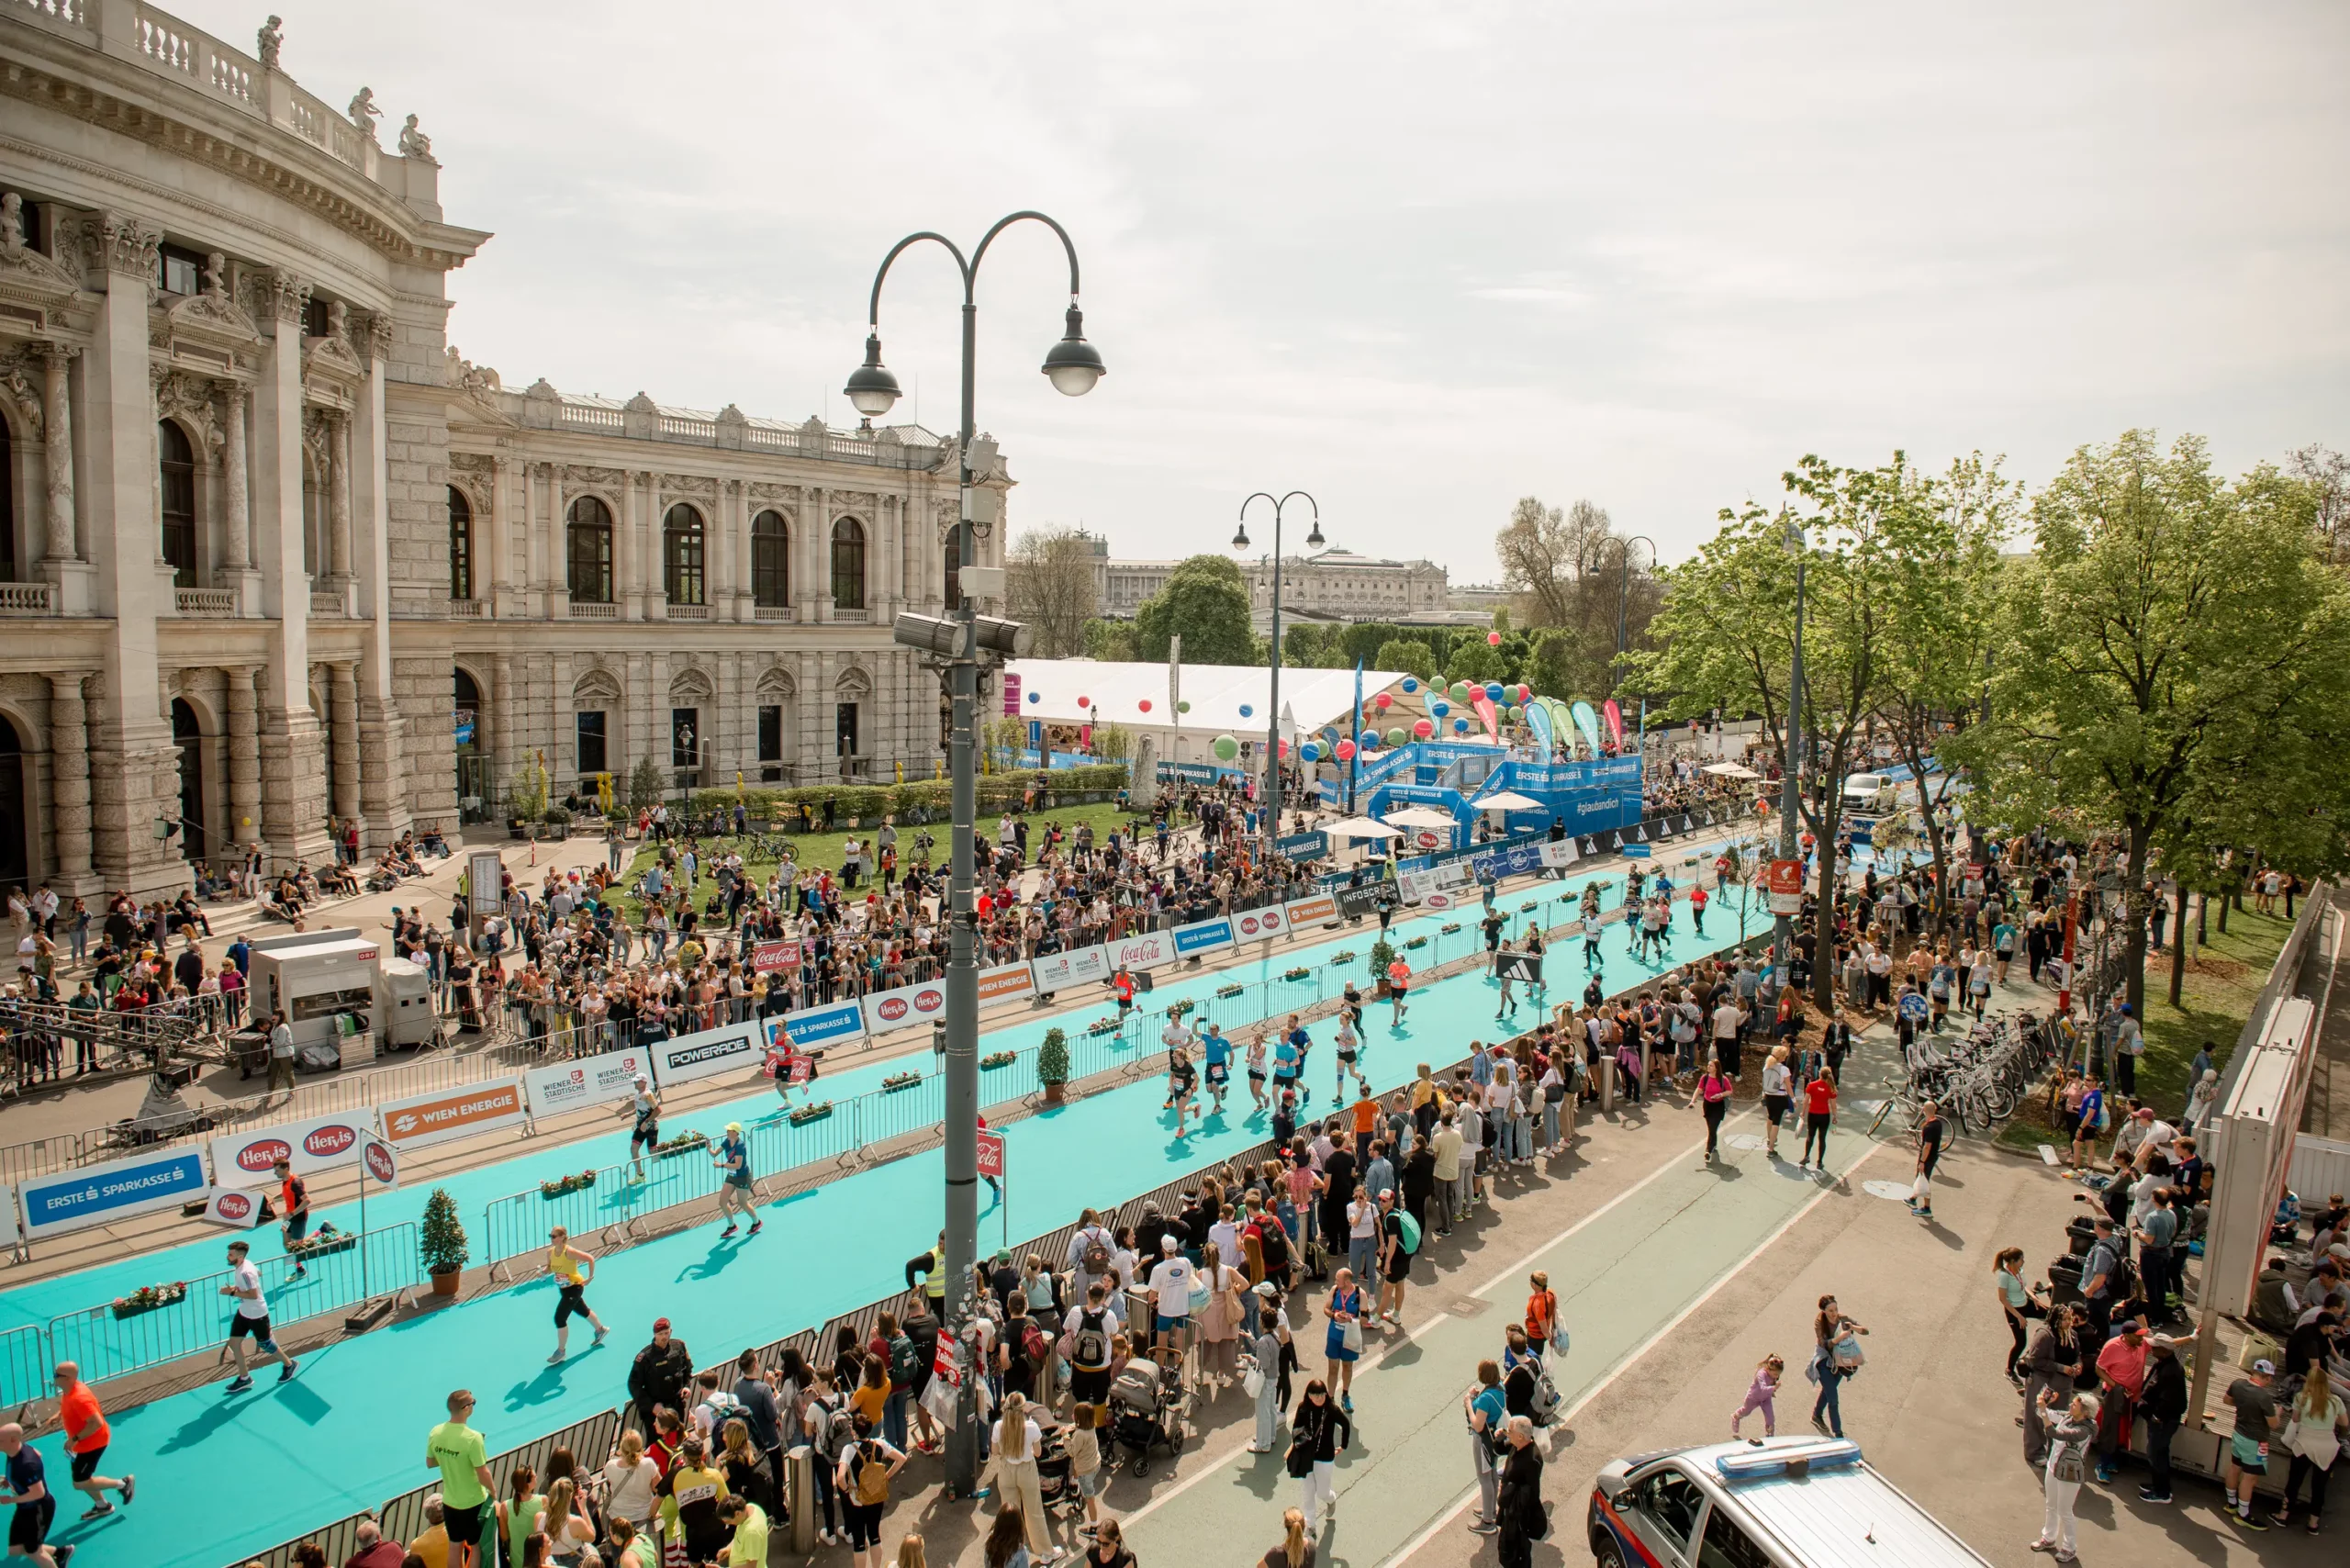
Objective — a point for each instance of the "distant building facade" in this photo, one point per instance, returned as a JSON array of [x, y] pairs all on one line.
[[1331, 585]]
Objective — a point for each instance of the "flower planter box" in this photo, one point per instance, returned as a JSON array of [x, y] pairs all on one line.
[[684, 1143], [898, 1080], [566, 1184], [1346, 956], [1181, 1008], [815, 1113], [998, 1058], [150, 1298], [1102, 1026], [1225, 992], [325, 1244], [1415, 942], [1297, 974], [1447, 929]]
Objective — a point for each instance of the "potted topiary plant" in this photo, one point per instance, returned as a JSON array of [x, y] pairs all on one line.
[[1382, 953], [1052, 1066], [557, 822], [440, 1245]]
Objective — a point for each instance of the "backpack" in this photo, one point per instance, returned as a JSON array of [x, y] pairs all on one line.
[[905, 1362], [1096, 1260], [1544, 1401], [1034, 1344], [1409, 1229], [872, 1477], [835, 1428], [1089, 1344]]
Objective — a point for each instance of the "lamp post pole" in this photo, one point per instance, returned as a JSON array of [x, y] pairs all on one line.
[[1790, 791], [1624, 584], [1273, 702], [1073, 366]]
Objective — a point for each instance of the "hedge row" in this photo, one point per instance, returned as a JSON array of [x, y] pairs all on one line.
[[997, 792]]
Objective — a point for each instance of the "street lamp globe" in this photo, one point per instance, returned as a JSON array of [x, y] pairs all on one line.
[[872, 390], [1241, 537], [1313, 539], [1074, 364]]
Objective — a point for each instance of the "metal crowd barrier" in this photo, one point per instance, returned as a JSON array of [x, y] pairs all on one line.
[[25, 1366], [113, 1338]]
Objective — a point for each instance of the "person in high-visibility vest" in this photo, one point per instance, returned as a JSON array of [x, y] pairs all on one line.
[[932, 1267], [1124, 984]]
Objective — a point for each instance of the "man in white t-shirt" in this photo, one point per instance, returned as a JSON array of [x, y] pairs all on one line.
[[1170, 1296], [252, 1321]]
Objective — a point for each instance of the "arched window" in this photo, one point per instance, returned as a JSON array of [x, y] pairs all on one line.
[[461, 545], [589, 541], [177, 459], [848, 564], [953, 557], [681, 574], [770, 560]]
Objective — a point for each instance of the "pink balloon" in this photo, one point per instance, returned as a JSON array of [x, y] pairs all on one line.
[[1146, 704], [1423, 728], [1493, 639], [1346, 751]]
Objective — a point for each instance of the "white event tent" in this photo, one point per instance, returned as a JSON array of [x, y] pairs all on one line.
[[1081, 692]]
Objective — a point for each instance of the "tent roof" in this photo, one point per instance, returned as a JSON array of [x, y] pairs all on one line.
[[1049, 690], [1360, 827]]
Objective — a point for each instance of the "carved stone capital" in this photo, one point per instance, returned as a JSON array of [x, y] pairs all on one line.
[[287, 296], [121, 245]]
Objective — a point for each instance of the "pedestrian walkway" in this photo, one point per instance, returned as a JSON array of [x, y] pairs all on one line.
[[223, 1477]]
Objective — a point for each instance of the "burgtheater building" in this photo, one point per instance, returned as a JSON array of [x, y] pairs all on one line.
[[273, 556]]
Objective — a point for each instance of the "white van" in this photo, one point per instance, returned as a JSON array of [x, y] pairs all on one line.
[[1764, 1503], [1869, 792]]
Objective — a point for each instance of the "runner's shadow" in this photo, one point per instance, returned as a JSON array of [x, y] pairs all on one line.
[[722, 1254], [546, 1385]]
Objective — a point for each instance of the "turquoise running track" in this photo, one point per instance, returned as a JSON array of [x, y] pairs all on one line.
[[223, 1477]]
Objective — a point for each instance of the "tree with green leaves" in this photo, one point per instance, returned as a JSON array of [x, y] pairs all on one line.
[[2170, 668], [1728, 626], [1208, 601], [1112, 642], [1476, 661], [1406, 655]]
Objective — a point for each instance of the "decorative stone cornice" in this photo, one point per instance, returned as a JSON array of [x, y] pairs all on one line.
[[122, 245]]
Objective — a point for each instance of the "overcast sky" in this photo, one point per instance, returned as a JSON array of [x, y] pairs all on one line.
[[1416, 259]]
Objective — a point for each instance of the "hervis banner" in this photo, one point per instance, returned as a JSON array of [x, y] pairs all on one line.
[[233, 1208], [589, 1081], [737, 1048], [1259, 924], [905, 1007], [322, 1143], [422, 1120], [117, 1190], [1059, 971], [812, 1029]]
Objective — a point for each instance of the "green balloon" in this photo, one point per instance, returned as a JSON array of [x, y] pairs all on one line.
[[1226, 748], [1461, 691], [1515, 714], [1184, 706], [1396, 735]]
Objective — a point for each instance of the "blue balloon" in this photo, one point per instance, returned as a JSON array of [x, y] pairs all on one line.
[[1411, 683], [1439, 708], [1246, 709], [1035, 697], [1369, 737], [1310, 751], [1493, 691], [1459, 726]]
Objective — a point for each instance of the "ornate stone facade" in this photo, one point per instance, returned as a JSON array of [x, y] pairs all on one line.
[[264, 531]]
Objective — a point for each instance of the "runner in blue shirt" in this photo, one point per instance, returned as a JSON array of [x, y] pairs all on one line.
[[1219, 1056]]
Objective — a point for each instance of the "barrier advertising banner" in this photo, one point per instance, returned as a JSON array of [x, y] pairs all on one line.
[[378, 1159], [322, 1143], [589, 1080], [1418, 887], [905, 1007], [1565, 852], [769, 957], [1319, 910], [117, 1190], [1006, 982], [10, 1231], [1786, 886], [1303, 846], [1144, 950], [233, 1208], [1357, 902], [422, 1120], [813, 1028], [1259, 924], [706, 1053], [1057, 971], [1203, 937]]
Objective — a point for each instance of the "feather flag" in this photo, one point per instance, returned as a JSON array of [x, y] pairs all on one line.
[[1485, 710], [1587, 721], [1615, 717], [1538, 719]]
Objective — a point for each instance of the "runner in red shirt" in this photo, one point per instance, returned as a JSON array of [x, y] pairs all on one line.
[[86, 1437]]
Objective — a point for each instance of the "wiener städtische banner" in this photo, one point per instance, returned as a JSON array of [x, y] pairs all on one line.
[[321, 1143], [905, 1007], [1058, 971], [1203, 937], [706, 1053], [422, 1120], [117, 1190], [589, 1080], [813, 1028]]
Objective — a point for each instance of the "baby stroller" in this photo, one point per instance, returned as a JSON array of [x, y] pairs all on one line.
[[1146, 1411], [1055, 1484]]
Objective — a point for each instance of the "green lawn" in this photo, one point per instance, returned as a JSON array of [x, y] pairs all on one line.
[[812, 850], [2223, 981]]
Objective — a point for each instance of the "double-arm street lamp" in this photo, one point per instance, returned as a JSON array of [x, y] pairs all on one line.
[[959, 643], [1790, 790], [1273, 703]]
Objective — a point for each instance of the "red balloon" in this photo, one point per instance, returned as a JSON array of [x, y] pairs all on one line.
[[1383, 700], [1083, 703], [1146, 704], [1424, 729], [1346, 751], [1493, 639]]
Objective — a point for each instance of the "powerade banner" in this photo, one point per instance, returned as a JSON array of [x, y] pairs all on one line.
[[1203, 937], [1055, 970], [1304, 845], [322, 1143], [905, 1007], [809, 1029], [113, 1191]]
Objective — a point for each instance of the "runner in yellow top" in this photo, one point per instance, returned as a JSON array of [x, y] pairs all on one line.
[[574, 1272]]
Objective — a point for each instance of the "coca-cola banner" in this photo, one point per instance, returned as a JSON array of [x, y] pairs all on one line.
[[322, 1143]]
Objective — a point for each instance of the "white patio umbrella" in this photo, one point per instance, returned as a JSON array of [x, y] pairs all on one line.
[[1508, 800], [1361, 827], [1730, 770], [1423, 816]]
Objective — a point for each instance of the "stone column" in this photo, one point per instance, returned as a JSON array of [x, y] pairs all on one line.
[[339, 498], [69, 771], [292, 774], [237, 514], [342, 701], [380, 751], [499, 559], [550, 549], [244, 755], [56, 419]]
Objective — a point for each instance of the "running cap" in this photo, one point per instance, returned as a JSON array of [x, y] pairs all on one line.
[[2263, 1369], [643, 1081]]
